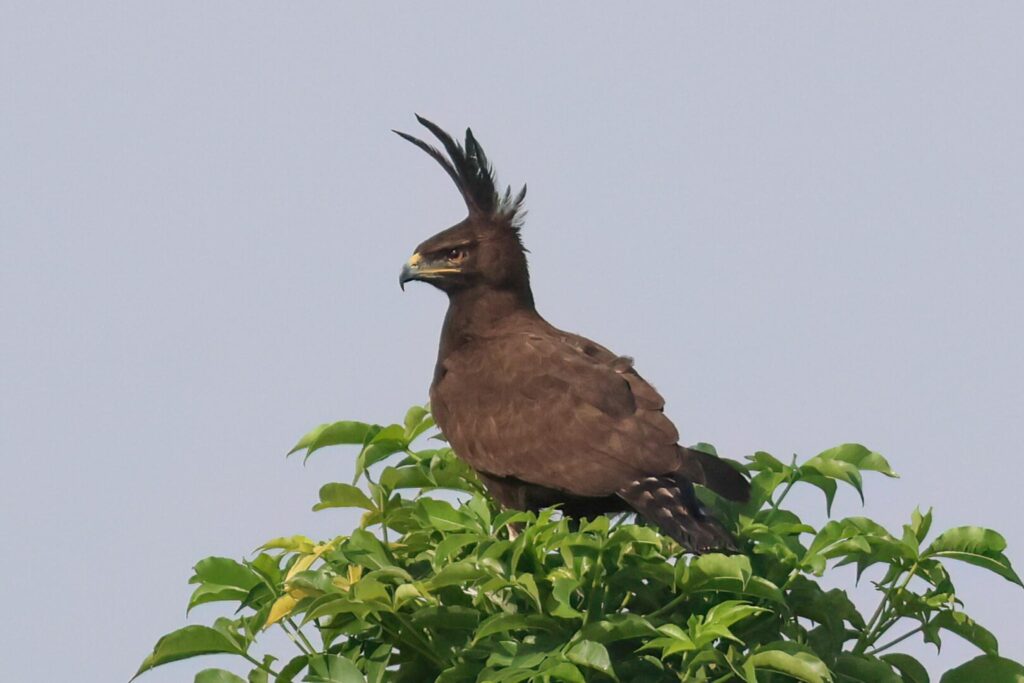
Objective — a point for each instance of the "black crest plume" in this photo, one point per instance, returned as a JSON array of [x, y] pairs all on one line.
[[468, 166]]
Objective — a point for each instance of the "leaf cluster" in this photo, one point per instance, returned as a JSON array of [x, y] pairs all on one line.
[[439, 584]]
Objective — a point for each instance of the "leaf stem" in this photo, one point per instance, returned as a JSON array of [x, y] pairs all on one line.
[[301, 635], [669, 606], [794, 477], [259, 664], [895, 641], [293, 638], [872, 631]]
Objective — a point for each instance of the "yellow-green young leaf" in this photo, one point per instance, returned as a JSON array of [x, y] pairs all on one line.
[[190, 641], [986, 669], [281, 608], [217, 676], [975, 545], [295, 544], [343, 496]]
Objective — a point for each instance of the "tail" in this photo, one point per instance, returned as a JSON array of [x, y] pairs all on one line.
[[714, 473], [670, 502]]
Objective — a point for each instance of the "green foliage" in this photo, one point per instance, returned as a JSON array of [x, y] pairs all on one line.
[[448, 587]]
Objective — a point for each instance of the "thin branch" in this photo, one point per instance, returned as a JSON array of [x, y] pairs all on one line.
[[896, 641], [260, 665], [300, 634]]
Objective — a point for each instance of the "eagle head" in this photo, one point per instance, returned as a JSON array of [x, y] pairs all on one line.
[[484, 249]]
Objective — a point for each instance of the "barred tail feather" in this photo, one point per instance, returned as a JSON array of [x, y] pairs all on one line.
[[670, 503]]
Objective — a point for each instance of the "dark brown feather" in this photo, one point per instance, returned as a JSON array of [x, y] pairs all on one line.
[[547, 417]]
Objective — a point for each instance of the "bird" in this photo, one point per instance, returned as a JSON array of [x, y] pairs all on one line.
[[543, 416]]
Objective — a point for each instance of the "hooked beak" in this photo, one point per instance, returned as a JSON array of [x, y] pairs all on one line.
[[410, 271], [415, 269]]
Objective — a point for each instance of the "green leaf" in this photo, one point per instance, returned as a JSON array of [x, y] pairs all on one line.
[[718, 572], [968, 629], [827, 486], [705, 568], [417, 420], [617, 627], [729, 612], [562, 590], [366, 549], [807, 599], [457, 574], [503, 623], [862, 458], [910, 669], [332, 434], [217, 676], [839, 470], [920, 523], [591, 655], [561, 671], [292, 669], [221, 579], [986, 669], [705, 448], [864, 669], [382, 444], [343, 496], [224, 571], [190, 641], [766, 462], [333, 669], [845, 463], [213, 593], [258, 675], [292, 544], [975, 545], [792, 660], [440, 515]]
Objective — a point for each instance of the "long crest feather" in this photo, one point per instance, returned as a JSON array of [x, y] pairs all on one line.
[[473, 175]]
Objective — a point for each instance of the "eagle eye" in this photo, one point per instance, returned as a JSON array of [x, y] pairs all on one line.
[[455, 255]]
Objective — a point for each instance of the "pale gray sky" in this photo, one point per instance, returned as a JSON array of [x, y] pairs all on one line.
[[803, 221]]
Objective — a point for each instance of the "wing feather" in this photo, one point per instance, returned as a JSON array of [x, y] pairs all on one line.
[[554, 410]]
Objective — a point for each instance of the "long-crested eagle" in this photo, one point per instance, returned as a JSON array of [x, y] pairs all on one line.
[[544, 416]]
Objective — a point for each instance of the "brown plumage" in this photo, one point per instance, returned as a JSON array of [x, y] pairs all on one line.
[[544, 416]]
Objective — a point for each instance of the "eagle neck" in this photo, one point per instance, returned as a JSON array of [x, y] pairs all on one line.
[[478, 311]]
